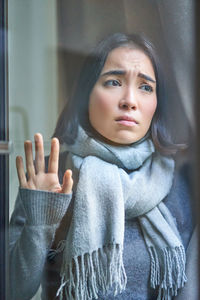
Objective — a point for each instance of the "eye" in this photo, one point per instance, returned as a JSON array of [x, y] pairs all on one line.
[[112, 82], [147, 88]]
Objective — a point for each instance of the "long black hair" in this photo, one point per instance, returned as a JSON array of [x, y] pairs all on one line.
[[75, 111]]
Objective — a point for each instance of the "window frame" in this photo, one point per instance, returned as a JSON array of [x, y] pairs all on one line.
[[4, 158]]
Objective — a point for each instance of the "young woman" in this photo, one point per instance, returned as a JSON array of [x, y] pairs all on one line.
[[120, 228]]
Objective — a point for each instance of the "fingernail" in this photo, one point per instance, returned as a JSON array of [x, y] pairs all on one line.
[[69, 172]]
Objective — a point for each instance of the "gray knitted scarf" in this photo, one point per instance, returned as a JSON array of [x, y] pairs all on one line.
[[113, 183]]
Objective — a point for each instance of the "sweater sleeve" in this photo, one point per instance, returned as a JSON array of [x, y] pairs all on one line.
[[34, 221]]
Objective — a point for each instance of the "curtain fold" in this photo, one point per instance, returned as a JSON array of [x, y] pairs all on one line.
[[178, 27]]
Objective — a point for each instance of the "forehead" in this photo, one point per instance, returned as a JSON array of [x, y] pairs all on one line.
[[128, 59]]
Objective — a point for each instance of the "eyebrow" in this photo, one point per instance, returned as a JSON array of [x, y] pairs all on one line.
[[114, 72], [122, 72], [148, 78]]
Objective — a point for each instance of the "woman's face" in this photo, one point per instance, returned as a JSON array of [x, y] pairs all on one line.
[[123, 100]]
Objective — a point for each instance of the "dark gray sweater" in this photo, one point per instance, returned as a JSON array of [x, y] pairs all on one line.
[[40, 221]]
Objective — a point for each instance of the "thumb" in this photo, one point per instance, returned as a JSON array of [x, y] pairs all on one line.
[[67, 182]]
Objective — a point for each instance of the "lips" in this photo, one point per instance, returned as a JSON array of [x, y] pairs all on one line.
[[126, 120]]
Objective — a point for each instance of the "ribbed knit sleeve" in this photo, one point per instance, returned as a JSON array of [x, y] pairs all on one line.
[[42, 207], [33, 224]]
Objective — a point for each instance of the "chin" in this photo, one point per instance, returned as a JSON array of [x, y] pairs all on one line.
[[123, 141], [126, 140]]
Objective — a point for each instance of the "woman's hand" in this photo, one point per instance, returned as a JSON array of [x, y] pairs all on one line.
[[37, 178]]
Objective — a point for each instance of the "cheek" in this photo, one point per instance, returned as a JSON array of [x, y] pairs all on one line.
[[150, 109], [99, 103]]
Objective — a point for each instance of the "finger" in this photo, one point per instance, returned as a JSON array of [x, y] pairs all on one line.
[[39, 153], [54, 156], [67, 182], [29, 159], [20, 171]]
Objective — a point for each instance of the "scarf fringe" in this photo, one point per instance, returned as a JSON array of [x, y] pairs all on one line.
[[172, 275], [86, 275]]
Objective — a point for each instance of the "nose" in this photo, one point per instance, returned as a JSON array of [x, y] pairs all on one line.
[[128, 100]]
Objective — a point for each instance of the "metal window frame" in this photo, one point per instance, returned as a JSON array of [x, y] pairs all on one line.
[[4, 159]]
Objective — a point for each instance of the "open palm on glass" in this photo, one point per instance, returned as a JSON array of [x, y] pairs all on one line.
[[37, 178]]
